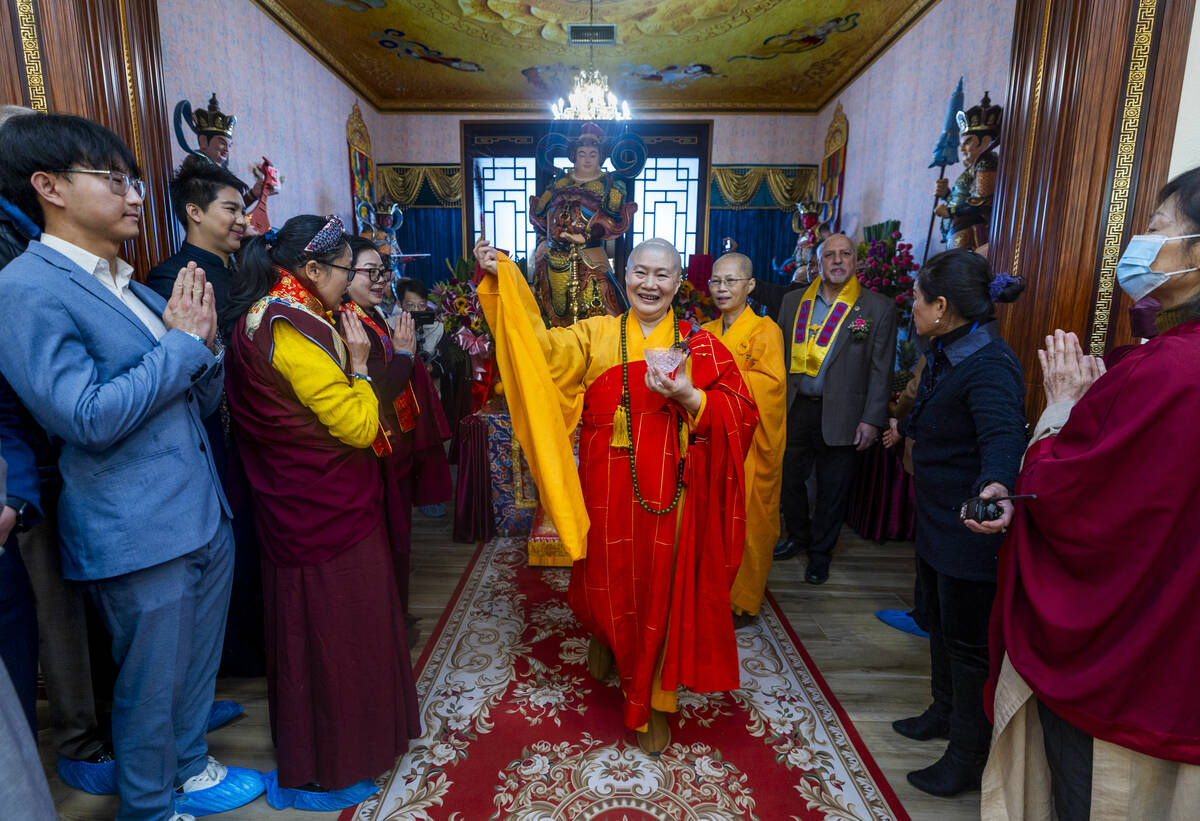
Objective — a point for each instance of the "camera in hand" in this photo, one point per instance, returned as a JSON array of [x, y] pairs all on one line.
[[423, 317], [986, 510]]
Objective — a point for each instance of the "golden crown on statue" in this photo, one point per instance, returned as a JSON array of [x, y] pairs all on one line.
[[981, 119], [211, 121]]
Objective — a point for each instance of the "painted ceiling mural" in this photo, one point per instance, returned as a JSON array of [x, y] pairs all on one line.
[[671, 55]]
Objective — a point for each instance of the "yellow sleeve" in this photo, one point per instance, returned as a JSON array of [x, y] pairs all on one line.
[[542, 372], [766, 377], [346, 406]]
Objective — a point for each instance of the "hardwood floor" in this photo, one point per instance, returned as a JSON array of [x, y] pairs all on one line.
[[877, 673]]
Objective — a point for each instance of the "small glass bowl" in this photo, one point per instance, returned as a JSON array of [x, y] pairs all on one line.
[[665, 359]]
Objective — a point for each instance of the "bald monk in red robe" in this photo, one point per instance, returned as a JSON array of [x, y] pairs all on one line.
[[654, 516]]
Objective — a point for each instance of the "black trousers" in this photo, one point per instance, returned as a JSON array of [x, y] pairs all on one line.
[[956, 613], [835, 472], [1069, 754]]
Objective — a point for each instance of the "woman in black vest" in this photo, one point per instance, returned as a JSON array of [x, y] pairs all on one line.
[[968, 429]]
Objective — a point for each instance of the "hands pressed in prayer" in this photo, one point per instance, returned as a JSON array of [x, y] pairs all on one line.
[[485, 255], [892, 436], [404, 335], [1066, 372], [679, 388], [356, 340], [192, 307], [993, 491], [865, 435]]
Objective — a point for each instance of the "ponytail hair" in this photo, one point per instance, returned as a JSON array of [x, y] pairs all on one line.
[[278, 248]]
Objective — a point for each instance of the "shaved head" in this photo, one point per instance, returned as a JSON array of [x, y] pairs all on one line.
[[661, 246], [739, 264]]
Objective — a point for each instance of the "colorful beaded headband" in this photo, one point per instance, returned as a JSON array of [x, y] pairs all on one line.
[[327, 238]]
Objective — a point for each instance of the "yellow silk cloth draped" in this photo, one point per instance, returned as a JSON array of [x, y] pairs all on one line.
[[756, 343], [739, 184], [544, 416], [402, 183]]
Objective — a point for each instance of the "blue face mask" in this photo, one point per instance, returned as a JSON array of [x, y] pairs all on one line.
[[1133, 268]]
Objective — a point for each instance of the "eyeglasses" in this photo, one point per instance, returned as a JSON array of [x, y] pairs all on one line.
[[350, 275], [414, 306], [725, 283], [118, 183], [375, 274]]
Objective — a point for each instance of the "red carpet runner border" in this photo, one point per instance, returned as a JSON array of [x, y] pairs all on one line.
[[515, 728]]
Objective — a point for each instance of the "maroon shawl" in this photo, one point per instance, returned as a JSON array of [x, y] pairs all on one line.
[[1099, 579]]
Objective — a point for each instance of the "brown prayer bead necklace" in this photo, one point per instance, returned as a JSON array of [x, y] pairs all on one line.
[[625, 404]]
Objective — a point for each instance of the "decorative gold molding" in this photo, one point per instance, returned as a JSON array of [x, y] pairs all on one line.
[[1031, 133], [130, 86], [1123, 171], [839, 131], [31, 51], [356, 131]]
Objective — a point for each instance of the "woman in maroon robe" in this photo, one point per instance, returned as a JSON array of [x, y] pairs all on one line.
[[1095, 632], [416, 471], [340, 683]]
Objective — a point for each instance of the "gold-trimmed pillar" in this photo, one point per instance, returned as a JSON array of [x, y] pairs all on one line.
[[1089, 122]]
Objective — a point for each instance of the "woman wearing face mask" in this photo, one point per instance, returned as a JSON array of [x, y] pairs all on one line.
[[416, 471], [1094, 628], [339, 679]]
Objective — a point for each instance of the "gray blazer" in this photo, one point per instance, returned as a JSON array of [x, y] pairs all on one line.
[[139, 483], [858, 374]]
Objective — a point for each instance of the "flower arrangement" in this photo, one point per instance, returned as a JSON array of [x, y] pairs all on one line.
[[886, 266], [693, 305], [457, 307], [860, 328]]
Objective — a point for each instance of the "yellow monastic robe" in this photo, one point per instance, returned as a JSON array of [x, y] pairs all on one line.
[[757, 347]]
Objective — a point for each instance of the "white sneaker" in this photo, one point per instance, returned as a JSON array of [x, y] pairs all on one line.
[[181, 817], [212, 775]]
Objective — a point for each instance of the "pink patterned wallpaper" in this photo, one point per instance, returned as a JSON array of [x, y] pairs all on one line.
[[289, 106], [896, 109]]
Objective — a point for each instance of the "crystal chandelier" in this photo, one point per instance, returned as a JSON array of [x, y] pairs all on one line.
[[591, 98]]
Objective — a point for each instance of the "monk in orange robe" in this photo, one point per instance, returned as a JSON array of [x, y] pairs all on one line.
[[654, 515], [756, 343]]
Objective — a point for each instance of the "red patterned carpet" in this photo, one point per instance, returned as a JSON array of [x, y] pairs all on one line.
[[516, 728]]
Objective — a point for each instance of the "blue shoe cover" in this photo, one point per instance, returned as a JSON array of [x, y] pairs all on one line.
[[434, 511], [239, 787], [281, 798], [98, 779], [222, 713], [902, 621]]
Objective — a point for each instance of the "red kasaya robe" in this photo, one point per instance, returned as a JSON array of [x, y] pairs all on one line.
[[1099, 578], [653, 588]]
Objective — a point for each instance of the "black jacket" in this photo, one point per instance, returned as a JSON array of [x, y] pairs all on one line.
[[968, 429]]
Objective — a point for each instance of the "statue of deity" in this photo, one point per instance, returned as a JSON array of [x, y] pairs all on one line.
[[214, 139], [576, 213], [967, 212]]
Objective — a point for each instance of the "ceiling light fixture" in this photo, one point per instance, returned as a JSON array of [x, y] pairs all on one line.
[[591, 98]]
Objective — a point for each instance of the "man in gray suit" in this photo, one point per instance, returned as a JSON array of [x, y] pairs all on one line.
[[124, 380], [839, 346]]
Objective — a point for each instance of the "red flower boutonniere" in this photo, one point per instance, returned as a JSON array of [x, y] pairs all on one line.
[[860, 328]]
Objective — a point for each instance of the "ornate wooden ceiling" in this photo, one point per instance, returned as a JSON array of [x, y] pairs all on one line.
[[671, 55]]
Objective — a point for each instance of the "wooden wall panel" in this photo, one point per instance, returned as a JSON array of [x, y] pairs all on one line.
[[1065, 145], [106, 64], [10, 68]]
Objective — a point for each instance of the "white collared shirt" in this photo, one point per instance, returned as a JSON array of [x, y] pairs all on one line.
[[118, 286]]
